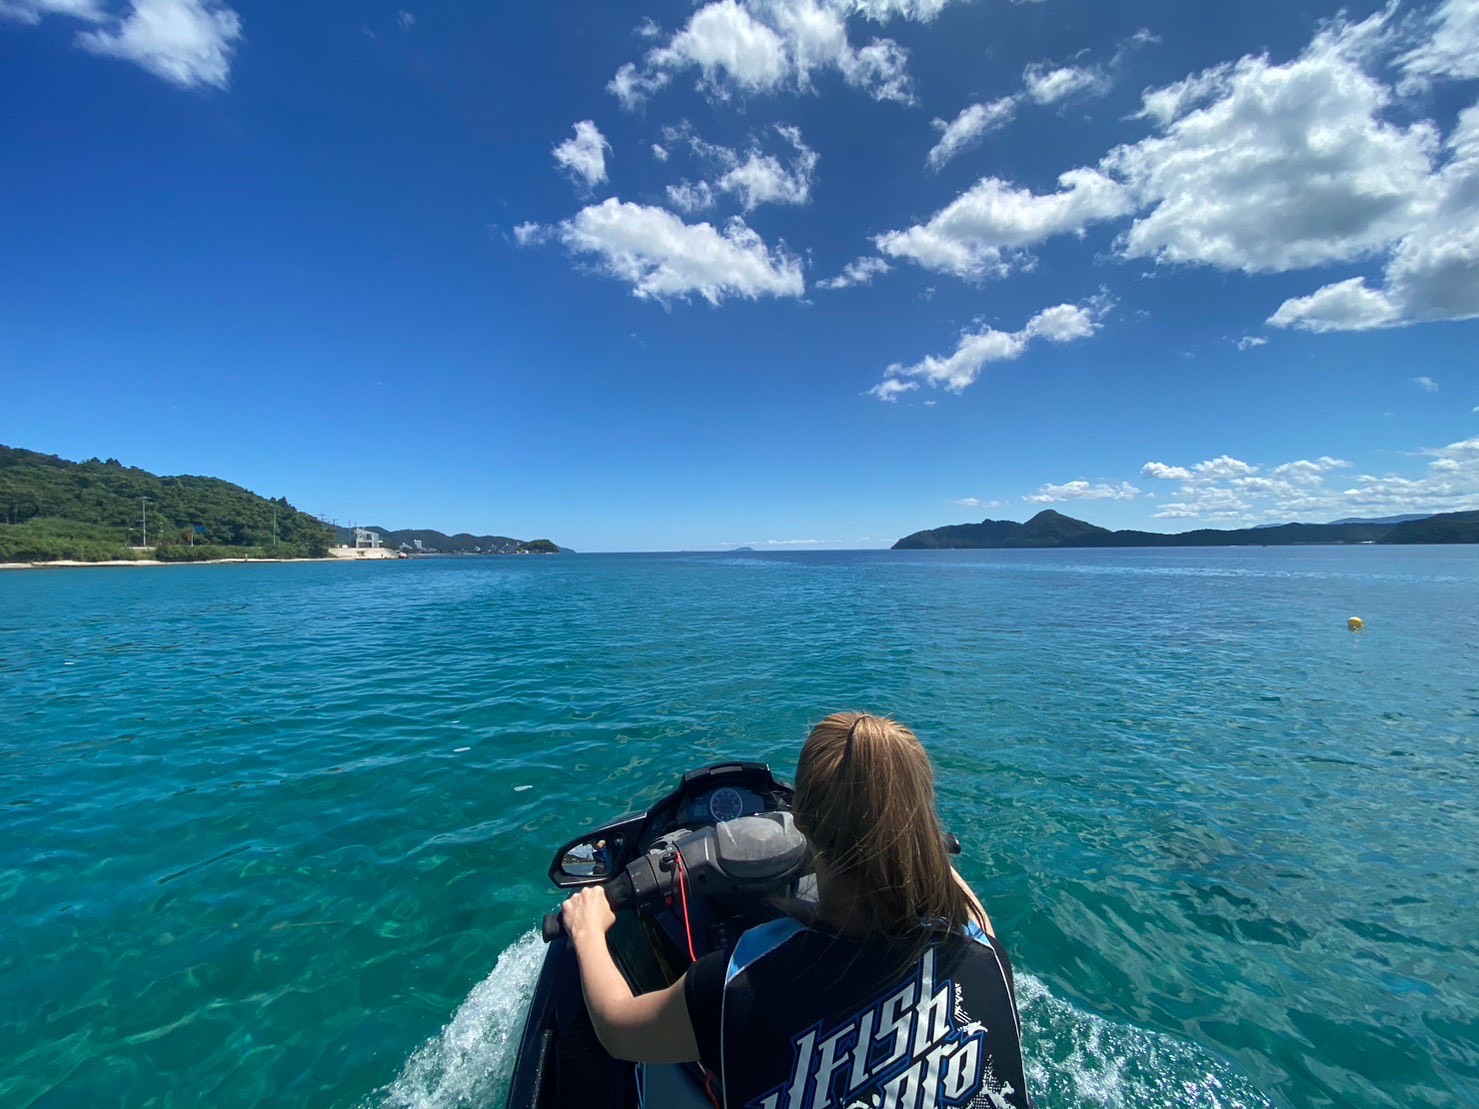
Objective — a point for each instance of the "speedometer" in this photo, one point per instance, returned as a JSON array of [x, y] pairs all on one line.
[[725, 804]]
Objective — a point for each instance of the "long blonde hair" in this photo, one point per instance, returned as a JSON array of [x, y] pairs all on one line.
[[865, 798]]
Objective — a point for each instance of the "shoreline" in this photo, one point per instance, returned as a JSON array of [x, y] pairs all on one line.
[[75, 564]]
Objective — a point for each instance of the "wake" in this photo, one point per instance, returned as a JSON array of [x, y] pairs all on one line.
[[472, 1060], [1074, 1059]]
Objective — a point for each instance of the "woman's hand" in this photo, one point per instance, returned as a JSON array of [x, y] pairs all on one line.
[[587, 914]]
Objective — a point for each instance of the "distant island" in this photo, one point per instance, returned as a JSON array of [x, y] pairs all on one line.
[[53, 510], [1053, 529]]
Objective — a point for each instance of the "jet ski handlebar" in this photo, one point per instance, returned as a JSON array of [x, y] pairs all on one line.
[[619, 894]]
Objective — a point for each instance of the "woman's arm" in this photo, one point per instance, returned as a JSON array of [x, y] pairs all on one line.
[[651, 1028]]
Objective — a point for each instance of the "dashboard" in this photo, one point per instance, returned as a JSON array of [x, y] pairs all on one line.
[[725, 803]]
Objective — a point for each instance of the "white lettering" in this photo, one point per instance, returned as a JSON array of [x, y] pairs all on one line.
[[896, 1024], [828, 1064]]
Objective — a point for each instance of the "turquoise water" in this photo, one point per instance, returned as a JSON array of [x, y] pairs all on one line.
[[278, 833]]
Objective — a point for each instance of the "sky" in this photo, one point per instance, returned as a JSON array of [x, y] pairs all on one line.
[[786, 274]]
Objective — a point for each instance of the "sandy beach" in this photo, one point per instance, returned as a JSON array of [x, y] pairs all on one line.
[[63, 564]]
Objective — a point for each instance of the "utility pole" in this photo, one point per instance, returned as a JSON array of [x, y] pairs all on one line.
[[144, 513]]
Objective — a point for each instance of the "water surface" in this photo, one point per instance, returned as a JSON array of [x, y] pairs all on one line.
[[278, 833]]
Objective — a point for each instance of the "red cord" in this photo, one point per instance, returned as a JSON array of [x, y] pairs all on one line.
[[683, 894], [693, 957]]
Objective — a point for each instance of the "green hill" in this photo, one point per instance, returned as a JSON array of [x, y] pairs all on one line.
[[1053, 529], [51, 508]]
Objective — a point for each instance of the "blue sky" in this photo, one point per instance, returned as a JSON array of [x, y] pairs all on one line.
[[776, 273]]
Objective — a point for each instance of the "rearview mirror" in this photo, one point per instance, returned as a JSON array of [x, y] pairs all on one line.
[[590, 860]]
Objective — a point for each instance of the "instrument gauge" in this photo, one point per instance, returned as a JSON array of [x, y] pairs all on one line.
[[725, 803]]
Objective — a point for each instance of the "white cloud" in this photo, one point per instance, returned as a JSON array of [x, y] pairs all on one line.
[[974, 235], [859, 272], [690, 197], [761, 179], [967, 502], [1453, 51], [968, 127], [1343, 306], [1426, 384], [583, 155], [1287, 167], [1165, 473], [1248, 342], [755, 178], [531, 234], [764, 46], [1225, 466], [1048, 85], [406, 19], [1062, 323], [186, 42], [660, 152], [1083, 491], [663, 258], [31, 11]]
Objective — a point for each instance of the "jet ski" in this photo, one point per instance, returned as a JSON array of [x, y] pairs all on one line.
[[716, 856]]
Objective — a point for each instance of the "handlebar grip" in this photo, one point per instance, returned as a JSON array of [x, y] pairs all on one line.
[[618, 893]]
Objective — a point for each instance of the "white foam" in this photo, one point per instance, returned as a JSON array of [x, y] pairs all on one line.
[[521, 789], [472, 1059], [1077, 1058]]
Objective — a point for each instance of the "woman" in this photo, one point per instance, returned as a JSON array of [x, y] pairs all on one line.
[[894, 993]]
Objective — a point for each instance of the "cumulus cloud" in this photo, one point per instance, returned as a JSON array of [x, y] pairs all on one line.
[[1433, 272], [755, 178], [1248, 342], [1260, 167], [31, 11], [967, 128], [1342, 306], [750, 47], [186, 42], [859, 272], [1063, 323], [1227, 490], [1083, 491], [583, 155], [1049, 84], [1452, 52], [983, 231], [1165, 473], [762, 179], [1287, 167], [663, 258], [1426, 384], [691, 196]]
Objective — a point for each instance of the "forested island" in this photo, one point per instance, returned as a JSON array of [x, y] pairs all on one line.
[[101, 511], [1053, 529]]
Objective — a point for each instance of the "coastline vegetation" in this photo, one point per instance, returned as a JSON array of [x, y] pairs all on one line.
[[96, 511]]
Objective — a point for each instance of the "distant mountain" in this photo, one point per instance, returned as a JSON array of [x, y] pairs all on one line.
[[1053, 529], [436, 542], [1382, 519]]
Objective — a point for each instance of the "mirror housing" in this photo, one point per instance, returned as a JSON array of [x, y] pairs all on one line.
[[596, 857]]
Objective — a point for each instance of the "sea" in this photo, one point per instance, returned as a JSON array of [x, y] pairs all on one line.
[[278, 834]]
